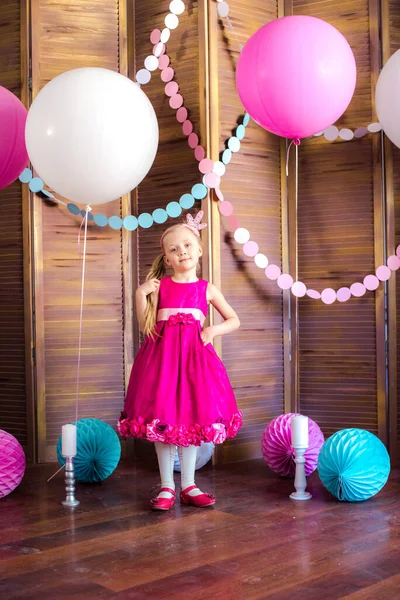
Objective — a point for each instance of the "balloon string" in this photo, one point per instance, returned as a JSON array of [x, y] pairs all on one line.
[[296, 142], [84, 221], [54, 474]]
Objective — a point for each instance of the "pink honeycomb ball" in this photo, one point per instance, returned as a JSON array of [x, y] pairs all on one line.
[[12, 463], [277, 450]]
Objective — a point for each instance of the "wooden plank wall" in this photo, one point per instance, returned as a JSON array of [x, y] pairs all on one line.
[[13, 409], [391, 41], [254, 354], [337, 343], [66, 35]]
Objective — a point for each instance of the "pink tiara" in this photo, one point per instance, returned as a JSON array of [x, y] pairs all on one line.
[[192, 223]]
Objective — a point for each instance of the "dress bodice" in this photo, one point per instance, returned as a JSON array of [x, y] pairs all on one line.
[[187, 296]]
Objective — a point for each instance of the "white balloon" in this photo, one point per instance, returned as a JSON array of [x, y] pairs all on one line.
[[387, 98], [203, 455], [91, 135]]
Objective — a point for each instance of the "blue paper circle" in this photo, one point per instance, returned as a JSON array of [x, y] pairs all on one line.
[[234, 144], [25, 176], [98, 450], [100, 220], [130, 223], [90, 216], [186, 201], [115, 222], [145, 220], [36, 185], [240, 131], [246, 119], [199, 191], [160, 215], [73, 209], [353, 465], [226, 156], [174, 209]]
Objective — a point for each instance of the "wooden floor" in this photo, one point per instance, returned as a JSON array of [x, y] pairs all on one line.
[[255, 543]]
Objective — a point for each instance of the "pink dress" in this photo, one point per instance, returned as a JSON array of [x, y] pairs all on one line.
[[179, 391]]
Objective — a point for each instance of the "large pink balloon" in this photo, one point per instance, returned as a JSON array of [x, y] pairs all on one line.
[[13, 154], [296, 76]]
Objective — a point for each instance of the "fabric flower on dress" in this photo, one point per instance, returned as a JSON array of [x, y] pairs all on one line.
[[184, 318]]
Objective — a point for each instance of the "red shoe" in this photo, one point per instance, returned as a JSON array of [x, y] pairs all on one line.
[[163, 503], [201, 500]]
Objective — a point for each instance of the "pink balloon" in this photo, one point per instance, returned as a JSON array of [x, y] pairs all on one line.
[[296, 76], [13, 154]]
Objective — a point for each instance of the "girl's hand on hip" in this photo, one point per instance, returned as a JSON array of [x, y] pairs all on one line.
[[207, 335], [150, 286]]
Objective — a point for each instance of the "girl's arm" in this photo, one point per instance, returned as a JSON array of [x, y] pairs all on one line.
[[231, 320], [151, 286]]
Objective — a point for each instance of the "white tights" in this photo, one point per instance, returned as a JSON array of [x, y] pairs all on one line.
[[166, 458]]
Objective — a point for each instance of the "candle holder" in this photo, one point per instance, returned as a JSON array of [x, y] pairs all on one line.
[[300, 481], [70, 499]]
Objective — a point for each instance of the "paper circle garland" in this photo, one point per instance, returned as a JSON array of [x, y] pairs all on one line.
[[277, 450], [98, 450], [204, 453], [353, 465], [12, 463]]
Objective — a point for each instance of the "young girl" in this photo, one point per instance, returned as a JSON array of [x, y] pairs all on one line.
[[179, 393]]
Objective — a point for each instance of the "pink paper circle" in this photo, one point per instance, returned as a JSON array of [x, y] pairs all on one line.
[[358, 289], [313, 294], [398, 250], [328, 296], [226, 209], [155, 36], [163, 61], [299, 289], [250, 248], [187, 127], [171, 88], [393, 262], [199, 153], [176, 101], [343, 294], [159, 49], [181, 114], [219, 194], [285, 281], [233, 222], [193, 140], [272, 271], [167, 74], [212, 180], [383, 273], [371, 282], [206, 166]]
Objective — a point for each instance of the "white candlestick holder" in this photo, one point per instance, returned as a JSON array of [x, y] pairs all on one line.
[[300, 481], [70, 499]]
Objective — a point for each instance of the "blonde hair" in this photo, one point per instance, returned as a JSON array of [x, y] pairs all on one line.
[[157, 271]]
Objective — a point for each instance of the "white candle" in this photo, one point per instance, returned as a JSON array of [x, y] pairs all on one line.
[[299, 427], [68, 440]]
